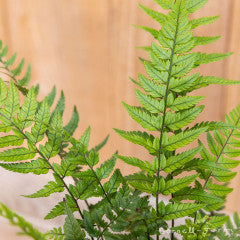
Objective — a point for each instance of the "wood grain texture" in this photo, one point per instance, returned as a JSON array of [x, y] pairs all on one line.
[[233, 93], [87, 48]]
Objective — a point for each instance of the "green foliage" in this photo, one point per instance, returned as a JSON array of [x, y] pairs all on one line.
[[26, 228], [38, 166], [230, 230], [73, 123], [51, 187], [56, 234], [13, 71], [194, 181], [167, 109], [71, 227], [203, 227], [34, 135]]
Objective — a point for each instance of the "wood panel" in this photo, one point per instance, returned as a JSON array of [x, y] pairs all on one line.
[[232, 94], [87, 48]]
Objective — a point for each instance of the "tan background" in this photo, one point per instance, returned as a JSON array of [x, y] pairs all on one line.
[[87, 48]]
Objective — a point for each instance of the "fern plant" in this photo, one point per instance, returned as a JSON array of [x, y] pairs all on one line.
[[32, 131], [32, 135], [167, 109], [194, 182]]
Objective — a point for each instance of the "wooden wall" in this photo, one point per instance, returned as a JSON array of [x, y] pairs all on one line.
[[87, 48]]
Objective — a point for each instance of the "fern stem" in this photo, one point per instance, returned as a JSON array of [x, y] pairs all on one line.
[[7, 74], [99, 181], [86, 202], [172, 232], [147, 233], [223, 147], [75, 200], [225, 144], [173, 222], [88, 206], [64, 183], [62, 179], [111, 222], [164, 112]]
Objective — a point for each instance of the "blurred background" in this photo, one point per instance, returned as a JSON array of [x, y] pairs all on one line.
[[88, 49]]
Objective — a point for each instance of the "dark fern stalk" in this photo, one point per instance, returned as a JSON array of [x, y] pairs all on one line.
[[167, 108]]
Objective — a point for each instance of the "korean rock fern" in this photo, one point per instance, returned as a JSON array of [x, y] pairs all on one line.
[[34, 140], [167, 110]]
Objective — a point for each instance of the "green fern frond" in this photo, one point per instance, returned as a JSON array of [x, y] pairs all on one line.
[[143, 165], [179, 210], [165, 4], [59, 208], [213, 57], [73, 123], [167, 109], [38, 166], [42, 121], [229, 230], [56, 234], [185, 102], [28, 109], [52, 187], [176, 184], [193, 5], [203, 21], [101, 144], [141, 116], [14, 72], [182, 139], [72, 228], [60, 104], [222, 144], [157, 16], [26, 228], [198, 41], [36, 131], [51, 96], [141, 138], [17, 154]]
